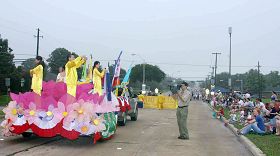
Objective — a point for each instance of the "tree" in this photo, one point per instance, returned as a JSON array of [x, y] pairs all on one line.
[[6, 63], [58, 58], [272, 80], [28, 64], [252, 83], [153, 73]]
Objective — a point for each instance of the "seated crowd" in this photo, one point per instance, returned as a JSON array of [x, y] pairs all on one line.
[[253, 116]]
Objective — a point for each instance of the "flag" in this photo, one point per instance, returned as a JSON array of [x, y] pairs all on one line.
[[107, 88], [116, 78], [126, 77], [84, 72], [108, 85]]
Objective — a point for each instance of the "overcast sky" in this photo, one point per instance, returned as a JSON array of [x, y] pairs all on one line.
[[177, 35]]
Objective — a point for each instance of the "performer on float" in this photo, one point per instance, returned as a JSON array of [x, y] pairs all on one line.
[[61, 75], [37, 75], [71, 72], [97, 76]]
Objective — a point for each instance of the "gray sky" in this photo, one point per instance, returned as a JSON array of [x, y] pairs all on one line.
[[168, 32]]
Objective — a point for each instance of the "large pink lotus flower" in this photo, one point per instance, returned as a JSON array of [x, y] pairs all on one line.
[[98, 123], [81, 112], [31, 113], [85, 128], [12, 111], [61, 112], [48, 119], [7, 128]]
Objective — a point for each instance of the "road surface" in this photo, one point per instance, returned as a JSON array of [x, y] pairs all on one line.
[[154, 134]]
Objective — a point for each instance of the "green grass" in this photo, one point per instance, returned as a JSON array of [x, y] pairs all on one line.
[[269, 144], [264, 100], [4, 100]]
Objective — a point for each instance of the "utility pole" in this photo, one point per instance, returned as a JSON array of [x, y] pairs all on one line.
[[216, 62], [229, 79], [38, 36], [259, 79]]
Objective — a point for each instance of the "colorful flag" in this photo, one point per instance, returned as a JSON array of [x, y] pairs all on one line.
[[116, 78], [126, 77]]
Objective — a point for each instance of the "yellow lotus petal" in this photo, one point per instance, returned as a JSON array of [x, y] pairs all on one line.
[[65, 114], [49, 113], [14, 111], [32, 112]]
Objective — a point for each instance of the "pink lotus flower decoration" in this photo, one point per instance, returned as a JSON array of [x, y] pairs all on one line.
[[31, 114], [79, 112], [12, 111], [98, 123], [7, 128]]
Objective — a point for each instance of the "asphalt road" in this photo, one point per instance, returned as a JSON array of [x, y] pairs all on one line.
[[154, 134]]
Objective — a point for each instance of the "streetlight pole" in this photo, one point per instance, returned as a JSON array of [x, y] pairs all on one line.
[[229, 79], [216, 62]]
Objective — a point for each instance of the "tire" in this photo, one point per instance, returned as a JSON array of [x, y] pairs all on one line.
[[123, 122], [135, 115], [26, 134]]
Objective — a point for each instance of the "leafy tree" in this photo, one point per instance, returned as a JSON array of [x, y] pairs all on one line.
[[28, 64], [58, 58], [6, 63], [272, 80], [153, 73], [252, 81]]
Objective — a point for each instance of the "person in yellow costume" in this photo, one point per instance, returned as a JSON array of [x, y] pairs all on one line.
[[97, 76], [37, 75], [161, 100], [71, 72]]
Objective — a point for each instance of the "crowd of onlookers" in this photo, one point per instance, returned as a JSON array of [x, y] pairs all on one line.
[[251, 114]]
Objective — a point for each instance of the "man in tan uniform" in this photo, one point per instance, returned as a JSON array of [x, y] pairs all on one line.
[[183, 96]]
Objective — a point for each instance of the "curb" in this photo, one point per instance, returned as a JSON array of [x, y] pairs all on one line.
[[244, 140]]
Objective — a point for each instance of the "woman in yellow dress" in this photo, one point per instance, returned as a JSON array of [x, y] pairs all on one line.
[[97, 76], [71, 77], [37, 75]]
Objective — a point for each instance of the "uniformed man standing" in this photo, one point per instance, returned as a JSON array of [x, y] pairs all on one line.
[[183, 96]]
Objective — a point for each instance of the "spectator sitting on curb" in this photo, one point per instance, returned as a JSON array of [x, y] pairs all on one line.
[[257, 124]]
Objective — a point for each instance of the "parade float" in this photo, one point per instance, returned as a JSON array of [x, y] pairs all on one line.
[[57, 113]]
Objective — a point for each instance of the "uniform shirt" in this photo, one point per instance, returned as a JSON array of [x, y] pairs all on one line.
[[71, 71], [37, 77], [186, 96]]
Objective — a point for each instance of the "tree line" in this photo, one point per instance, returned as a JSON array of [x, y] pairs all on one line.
[[250, 81]]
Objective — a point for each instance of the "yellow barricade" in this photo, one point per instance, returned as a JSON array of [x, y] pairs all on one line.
[[153, 102]]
